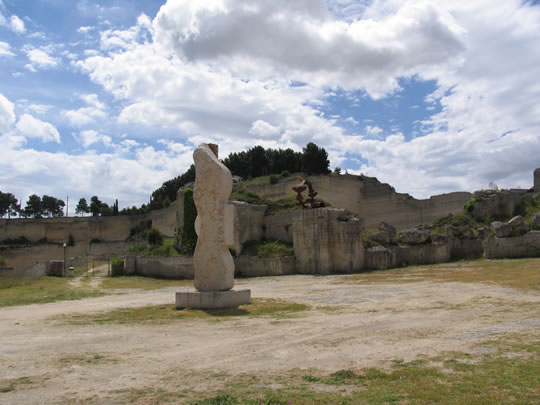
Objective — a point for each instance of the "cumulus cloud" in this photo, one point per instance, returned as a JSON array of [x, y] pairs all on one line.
[[89, 137], [4, 49], [16, 24], [7, 114], [31, 127], [94, 110], [40, 58]]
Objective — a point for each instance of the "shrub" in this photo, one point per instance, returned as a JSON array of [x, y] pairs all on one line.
[[246, 196], [3, 261], [141, 227], [283, 204], [154, 237], [117, 267], [21, 240], [274, 179], [284, 173], [188, 236], [71, 240], [275, 249]]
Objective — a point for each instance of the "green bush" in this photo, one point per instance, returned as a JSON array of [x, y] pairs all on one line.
[[275, 249], [246, 196], [165, 250], [154, 237], [141, 228], [188, 236], [21, 240], [274, 179], [117, 267], [283, 204], [71, 240], [3, 261], [284, 173]]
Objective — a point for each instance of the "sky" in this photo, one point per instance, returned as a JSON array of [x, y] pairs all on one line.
[[110, 98]]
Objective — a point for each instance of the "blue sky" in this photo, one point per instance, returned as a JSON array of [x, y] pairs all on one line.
[[110, 98]]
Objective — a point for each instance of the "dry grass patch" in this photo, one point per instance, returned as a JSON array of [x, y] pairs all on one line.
[[522, 274], [168, 313]]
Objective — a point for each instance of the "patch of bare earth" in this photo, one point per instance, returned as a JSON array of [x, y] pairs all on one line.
[[349, 326]]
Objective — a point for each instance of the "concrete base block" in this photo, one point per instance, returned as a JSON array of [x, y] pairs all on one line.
[[212, 299]]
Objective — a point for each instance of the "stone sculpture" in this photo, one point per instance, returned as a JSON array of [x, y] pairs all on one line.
[[212, 261], [213, 264]]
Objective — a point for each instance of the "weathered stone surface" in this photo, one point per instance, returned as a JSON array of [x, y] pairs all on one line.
[[527, 245], [380, 237], [467, 234], [438, 239], [535, 224], [496, 204], [252, 266], [212, 299], [501, 229], [482, 232], [323, 244], [537, 180], [213, 264], [389, 229], [519, 227], [413, 236], [452, 231]]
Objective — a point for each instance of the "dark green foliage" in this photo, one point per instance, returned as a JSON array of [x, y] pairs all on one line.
[[283, 204], [165, 250], [154, 237], [33, 207], [8, 204], [3, 261], [141, 228], [315, 160], [21, 240], [188, 236], [163, 196], [115, 208], [71, 240], [117, 267], [284, 174], [82, 207], [52, 207], [274, 179], [95, 206]]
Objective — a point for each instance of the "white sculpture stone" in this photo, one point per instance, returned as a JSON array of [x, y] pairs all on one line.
[[212, 261]]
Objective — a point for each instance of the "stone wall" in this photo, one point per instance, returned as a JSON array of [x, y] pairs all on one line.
[[248, 223], [252, 266], [372, 200], [537, 180], [466, 249], [379, 257], [527, 245], [85, 229], [162, 267], [279, 226], [323, 244]]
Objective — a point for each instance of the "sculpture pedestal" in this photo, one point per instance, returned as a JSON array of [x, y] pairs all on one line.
[[212, 299]]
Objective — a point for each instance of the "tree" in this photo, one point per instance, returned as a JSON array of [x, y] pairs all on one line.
[[258, 163], [115, 208], [33, 207], [315, 160], [82, 207], [52, 206], [8, 204], [337, 170], [105, 210], [95, 206]]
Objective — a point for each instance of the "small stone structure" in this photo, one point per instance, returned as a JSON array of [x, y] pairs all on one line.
[[212, 261]]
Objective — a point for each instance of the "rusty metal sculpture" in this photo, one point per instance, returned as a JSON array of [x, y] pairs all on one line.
[[311, 202]]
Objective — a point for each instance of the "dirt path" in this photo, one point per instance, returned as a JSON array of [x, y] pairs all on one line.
[[348, 327]]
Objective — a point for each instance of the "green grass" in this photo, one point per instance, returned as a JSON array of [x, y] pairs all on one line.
[[44, 290], [13, 384], [246, 196], [168, 313], [521, 274], [167, 249], [284, 204], [145, 283], [275, 249]]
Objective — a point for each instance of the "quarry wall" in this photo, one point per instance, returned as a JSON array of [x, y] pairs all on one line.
[[371, 200]]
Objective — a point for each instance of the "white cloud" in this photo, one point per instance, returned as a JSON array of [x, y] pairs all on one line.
[[4, 49], [31, 127], [86, 115], [89, 137], [7, 114], [39, 108], [40, 58], [221, 71], [17, 25]]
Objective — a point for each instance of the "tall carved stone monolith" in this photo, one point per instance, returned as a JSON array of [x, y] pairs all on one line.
[[213, 264], [212, 261]]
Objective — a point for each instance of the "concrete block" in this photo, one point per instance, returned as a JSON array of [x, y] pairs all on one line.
[[212, 299]]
